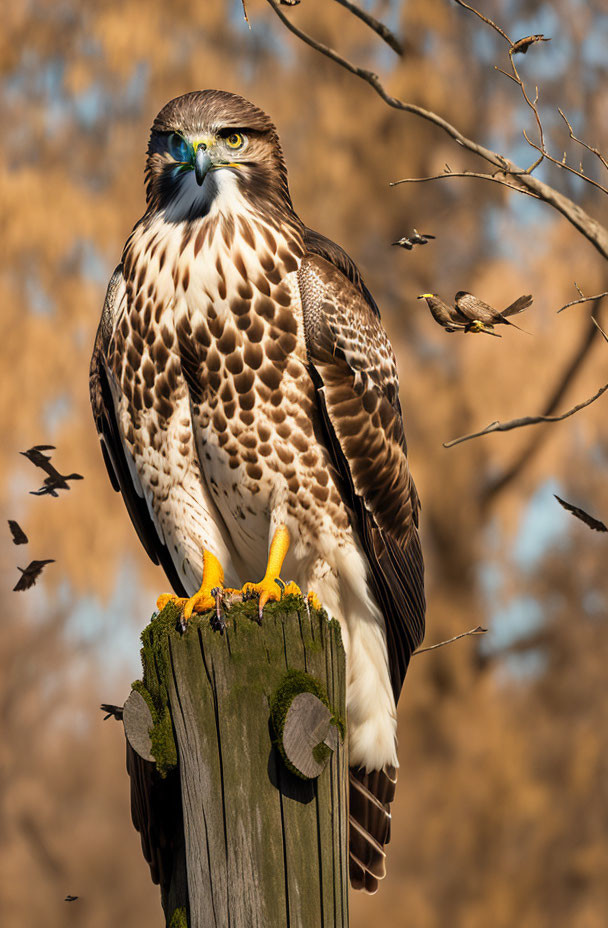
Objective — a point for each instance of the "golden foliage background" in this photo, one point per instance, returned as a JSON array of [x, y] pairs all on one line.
[[501, 816]]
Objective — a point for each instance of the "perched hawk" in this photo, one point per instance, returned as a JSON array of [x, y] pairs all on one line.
[[246, 396]]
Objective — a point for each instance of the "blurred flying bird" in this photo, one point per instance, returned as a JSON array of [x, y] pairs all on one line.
[[522, 45], [54, 482], [112, 711], [36, 456], [19, 536], [448, 316], [30, 574], [414, 238], [482, 316], [69, 898], [595, 524]]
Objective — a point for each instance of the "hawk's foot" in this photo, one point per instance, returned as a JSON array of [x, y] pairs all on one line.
[[204, 599], [271, 587], [313, 600]]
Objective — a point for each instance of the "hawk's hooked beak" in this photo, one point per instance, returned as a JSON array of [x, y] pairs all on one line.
[[202, 163]]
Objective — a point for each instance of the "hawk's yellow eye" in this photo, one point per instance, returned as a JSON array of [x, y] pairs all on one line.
[[235, 140]]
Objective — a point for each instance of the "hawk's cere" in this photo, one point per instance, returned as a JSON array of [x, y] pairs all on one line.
[[246, 397]]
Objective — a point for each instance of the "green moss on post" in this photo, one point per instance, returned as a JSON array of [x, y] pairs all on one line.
[[179, 919], [260, 846]]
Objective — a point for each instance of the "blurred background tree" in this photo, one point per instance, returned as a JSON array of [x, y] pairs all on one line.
[[502, 813]]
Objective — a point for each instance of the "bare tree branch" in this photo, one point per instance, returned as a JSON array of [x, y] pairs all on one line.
[[590, 148], [480, 630], [486, 20], [563, 164], [599, 328], [379, 28], [495, 178], [525, 420], [589, 227], [583, 299]]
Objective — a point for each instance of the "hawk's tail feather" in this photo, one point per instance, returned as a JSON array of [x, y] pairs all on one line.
[[370, 796]]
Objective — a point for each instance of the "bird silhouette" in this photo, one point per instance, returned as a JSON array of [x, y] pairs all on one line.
[[593, 523], [414, 238], [19, 536], [30, 574]]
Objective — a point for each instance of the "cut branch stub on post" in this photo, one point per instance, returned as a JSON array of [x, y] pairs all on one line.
[[265, 814]]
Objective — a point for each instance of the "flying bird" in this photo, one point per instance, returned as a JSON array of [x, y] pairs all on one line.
[[247, 401], [593, 523], [448, 316], [414, 238], [70, 898], [482, 316], [54, 482], [37, 457], [19, 536], [30, 574]]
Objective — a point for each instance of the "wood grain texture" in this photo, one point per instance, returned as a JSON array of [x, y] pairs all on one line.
[[262, 847]]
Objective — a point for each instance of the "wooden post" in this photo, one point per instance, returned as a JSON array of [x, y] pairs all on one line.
[[249, 722]]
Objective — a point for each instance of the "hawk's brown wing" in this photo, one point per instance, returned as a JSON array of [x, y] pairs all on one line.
[[354, 371], [121, 470]]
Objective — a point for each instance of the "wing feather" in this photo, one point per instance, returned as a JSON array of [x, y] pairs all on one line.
[[119, 463], [354, 371]]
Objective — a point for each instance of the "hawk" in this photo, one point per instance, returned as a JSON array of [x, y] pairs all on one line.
[[246, 398]]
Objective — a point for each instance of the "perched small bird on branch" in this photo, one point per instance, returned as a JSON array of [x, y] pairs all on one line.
[[522, 45], [19, 536], [448, 316], [481, 316], [414, 238], [30, 574]]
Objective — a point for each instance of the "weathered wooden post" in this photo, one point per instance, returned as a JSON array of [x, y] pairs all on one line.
[[235, 744]]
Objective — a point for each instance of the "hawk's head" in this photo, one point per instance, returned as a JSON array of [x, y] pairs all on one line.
[[206, 143]]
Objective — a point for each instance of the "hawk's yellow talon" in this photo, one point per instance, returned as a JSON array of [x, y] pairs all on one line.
[[203, 600], [271, 587], [313, 600]]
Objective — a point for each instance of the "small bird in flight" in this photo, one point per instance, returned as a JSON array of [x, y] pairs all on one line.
[[593, 523], [482, 316], [70, 898], [19, 536], [54, 480], [30, 574], [448, 316], [414, 238], [36, 456]]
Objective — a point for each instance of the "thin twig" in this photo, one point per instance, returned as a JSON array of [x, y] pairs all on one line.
[[584, 299], [525, 420], [562, 164], [495, 178], [594, 151], [599, 328], [375, 25], [486, 20], [480, 630], [589, 227]]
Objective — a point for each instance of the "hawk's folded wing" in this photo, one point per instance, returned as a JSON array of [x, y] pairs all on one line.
[[354, 370], [121, 467]]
